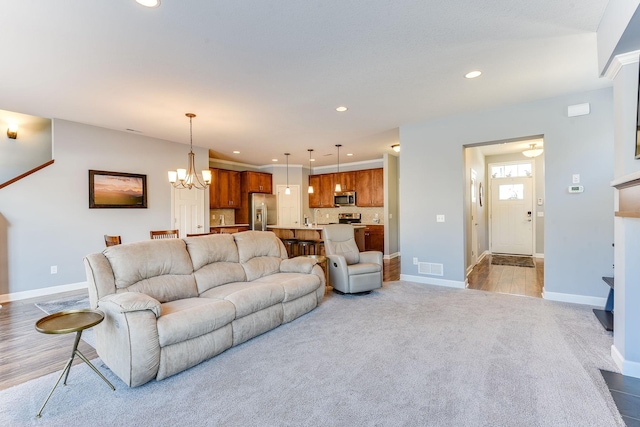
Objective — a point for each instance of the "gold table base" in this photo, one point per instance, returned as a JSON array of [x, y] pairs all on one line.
[[62, 323]]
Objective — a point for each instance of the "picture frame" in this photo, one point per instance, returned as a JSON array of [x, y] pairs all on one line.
[[480, 193], [117, 190]]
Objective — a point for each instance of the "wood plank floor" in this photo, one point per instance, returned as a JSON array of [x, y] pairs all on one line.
[[26, 354], [508, 279]]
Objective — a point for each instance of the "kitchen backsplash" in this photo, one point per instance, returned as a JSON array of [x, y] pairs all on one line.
[[368, 214], [215, 216]]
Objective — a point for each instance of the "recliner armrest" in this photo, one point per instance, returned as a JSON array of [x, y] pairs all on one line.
[[133, 301], [373, 257]]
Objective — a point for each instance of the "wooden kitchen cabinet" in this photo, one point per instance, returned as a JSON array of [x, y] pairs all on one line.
[[347, 180], [252, 182], [370, 188], [323, 189], [374, 238], [257, 182], [224, 191]]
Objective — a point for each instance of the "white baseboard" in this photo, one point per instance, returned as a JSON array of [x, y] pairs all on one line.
[[577, 299], [433, 281], [16, 296], [628, 368], [482, 255], [391, 256], [538, 255]]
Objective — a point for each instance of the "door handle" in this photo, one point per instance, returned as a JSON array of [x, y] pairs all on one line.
[[199, 226]]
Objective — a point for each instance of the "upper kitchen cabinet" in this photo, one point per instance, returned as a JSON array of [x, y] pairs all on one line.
[[224, 191], [323, 189], [370, 188], [256, 182], [347, 180]]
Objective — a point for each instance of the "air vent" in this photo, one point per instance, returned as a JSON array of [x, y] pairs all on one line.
[[431, 268]]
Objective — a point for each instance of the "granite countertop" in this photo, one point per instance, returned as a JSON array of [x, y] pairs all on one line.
[[319, 227]]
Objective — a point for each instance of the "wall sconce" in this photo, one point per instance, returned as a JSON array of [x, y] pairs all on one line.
[[12, 131]]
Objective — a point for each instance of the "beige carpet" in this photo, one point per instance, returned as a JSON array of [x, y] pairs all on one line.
[[406, 355]]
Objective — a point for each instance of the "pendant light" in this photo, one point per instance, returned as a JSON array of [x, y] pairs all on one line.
[[287, 191], [310, 190], [532, 151], [338, 187], [188, 178]]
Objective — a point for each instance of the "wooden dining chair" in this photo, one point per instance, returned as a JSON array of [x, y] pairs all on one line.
[[112, 240], [165, 234]]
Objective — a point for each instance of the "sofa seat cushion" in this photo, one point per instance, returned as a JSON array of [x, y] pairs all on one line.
[[189, 318], [363, 268], [247, 297], [295, 285]]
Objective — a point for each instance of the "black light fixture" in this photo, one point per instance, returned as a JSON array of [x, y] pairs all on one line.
[[310, 190], [338, 186], [287, 191]]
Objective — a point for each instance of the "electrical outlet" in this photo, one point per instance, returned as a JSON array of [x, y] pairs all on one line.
[[54, 269], [415, 260], [213, 216], [439, 218], [390, 216], [327, 215]]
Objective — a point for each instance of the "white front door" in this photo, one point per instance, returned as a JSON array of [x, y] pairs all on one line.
[[189, 211], [512, 216], [288, 205]]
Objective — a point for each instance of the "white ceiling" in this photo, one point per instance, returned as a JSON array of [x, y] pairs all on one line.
[[265, 77]]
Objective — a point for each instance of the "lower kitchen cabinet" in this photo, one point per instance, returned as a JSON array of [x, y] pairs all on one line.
[[374, 238]]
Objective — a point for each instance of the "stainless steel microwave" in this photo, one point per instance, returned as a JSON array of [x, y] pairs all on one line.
[[347, 198]]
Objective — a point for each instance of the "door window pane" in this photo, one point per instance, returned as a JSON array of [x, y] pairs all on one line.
[[511, 171], [511, 192]]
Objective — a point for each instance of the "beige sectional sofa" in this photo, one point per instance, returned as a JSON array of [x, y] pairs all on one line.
[[170, 304]]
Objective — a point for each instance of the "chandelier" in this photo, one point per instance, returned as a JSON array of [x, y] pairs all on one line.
[[188, 178]]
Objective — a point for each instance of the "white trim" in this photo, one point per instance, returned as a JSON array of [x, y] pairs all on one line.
[[391, 256], [466, 274], [574, 298], [620, 61], [43, 292], [432, 281], [482, 255], [628, 368], [363, 162], [538, 255]]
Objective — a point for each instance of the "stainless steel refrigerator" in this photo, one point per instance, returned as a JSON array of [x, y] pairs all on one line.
[[263, 211]]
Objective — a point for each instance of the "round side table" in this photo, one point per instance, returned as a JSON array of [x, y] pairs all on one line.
[[65, 322]]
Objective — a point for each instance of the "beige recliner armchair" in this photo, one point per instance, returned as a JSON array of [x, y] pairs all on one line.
[[350, 270]]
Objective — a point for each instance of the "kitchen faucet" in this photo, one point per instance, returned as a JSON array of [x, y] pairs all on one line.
[[315, 220]]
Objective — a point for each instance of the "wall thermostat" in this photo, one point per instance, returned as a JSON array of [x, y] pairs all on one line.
[[576, 189]]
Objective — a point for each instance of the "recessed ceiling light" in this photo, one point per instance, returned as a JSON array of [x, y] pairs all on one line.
[[341, 109], [349, 154], [274, 160], [149, 3], [236, 152], [473, 74]]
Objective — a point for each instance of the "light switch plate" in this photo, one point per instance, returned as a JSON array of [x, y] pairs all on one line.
[[576, 178], [540, 213]]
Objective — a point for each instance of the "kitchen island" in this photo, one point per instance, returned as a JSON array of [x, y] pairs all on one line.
[[313, 233]]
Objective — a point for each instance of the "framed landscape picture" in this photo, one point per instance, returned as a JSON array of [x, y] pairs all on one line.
[[117, 190]]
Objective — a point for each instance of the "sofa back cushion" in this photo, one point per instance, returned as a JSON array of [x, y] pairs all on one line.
[[260, 253], [215, 260], [339, 240], [161, 269]]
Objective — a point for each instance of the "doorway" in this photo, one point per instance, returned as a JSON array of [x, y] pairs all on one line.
[[511, 213], [188, 211], [288, 205]]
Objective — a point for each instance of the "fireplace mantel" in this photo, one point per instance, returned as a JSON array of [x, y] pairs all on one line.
[[628, 188]]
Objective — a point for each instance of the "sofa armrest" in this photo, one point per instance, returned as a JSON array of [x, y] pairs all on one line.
[[372, 257], [127, 302], [299, 264]]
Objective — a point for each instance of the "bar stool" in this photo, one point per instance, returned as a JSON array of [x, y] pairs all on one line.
[[320, 248], [291, 245], [306, 247]]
